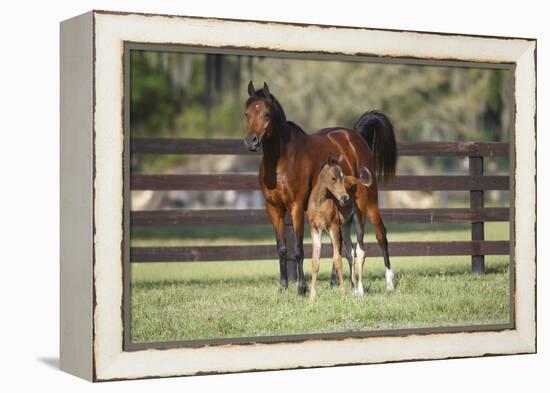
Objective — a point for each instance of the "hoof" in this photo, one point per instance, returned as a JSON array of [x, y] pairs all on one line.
[[283, 285], [302, 289], [359, 291]]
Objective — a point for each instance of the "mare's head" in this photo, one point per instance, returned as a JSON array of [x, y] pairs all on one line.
[[263, 114], [332, 178]]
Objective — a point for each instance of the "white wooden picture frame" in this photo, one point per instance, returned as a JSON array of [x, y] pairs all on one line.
[[92, 190]]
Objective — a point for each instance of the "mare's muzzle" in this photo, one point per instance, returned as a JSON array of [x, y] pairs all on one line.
[[252, 141]]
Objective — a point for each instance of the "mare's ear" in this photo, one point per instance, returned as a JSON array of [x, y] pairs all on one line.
[[251, 89], [365, 176], [266, 91]]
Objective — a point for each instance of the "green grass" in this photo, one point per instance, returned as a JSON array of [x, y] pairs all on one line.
[[184, 301]]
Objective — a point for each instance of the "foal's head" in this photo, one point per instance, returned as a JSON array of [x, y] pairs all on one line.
[[263, 114], [331, 177]]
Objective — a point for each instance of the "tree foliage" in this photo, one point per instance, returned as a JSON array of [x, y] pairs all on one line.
[[201, 96]]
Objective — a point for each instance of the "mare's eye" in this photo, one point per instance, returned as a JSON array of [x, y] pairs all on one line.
[[267, 116], [333, 179]]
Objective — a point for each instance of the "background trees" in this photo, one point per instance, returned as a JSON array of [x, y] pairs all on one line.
[[184, 95], [197, 95]]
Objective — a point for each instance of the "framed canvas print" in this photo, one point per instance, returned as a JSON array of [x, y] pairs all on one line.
[[245, 195]]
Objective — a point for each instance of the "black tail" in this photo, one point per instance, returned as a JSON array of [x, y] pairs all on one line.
[[378, 131]]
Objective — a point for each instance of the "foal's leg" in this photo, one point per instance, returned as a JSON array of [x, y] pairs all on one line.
[[359, 251], [276, 215], [316, 236], [347, 250], [298, 224], [380, 230], [336, 257]]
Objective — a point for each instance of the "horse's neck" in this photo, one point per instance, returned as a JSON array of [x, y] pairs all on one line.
[[319, 193], [282, 146]]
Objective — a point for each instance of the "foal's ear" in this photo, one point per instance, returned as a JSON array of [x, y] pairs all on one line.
[[266, 91], [251, 89], [365, 176], [329, 161]]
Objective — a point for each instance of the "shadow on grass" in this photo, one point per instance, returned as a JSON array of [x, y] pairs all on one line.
[[270, 280], [206, 282]]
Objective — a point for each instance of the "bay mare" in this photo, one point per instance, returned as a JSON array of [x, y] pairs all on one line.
[[291, 163]]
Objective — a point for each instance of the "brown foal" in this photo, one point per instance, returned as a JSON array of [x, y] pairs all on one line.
[[333, 202]]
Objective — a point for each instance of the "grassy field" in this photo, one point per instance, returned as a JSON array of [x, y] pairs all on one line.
[[183, 301]]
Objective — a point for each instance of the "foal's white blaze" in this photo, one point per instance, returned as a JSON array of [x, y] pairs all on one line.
[[389, 280]]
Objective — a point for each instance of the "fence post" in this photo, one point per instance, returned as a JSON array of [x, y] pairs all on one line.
[[477, 202], [291, 267]]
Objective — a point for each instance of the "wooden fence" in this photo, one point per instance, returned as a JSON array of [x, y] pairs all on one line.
[[476, 183]]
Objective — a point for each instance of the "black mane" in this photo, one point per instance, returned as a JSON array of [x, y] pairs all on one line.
[[278, 111], [279, 116]]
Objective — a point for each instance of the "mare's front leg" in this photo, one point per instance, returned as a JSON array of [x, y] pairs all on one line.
[[347, 251], [297, 214], [336, 255], [316, 235], [277, 217]]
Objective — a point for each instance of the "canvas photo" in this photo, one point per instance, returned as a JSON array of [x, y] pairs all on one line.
[[280, 197]]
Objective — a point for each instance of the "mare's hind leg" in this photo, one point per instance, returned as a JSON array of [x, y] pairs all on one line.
[[380, 230], [347, 251], [359, 252]]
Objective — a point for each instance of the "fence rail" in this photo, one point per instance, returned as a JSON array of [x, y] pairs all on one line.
[[248, 182], [476, 183], [236, 147], [259, 216]]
